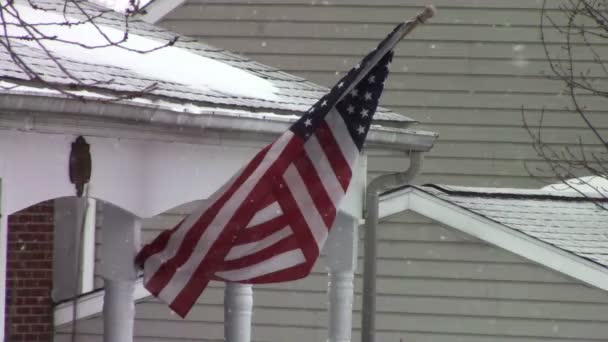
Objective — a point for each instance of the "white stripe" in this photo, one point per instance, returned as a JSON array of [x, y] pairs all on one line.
[[342, 135], [276, 263], [153, 262], [270, 212], [306, 205], [240, 251], [324, 170], [183, 274]]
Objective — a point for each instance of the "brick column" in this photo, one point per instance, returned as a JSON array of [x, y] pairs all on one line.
[[29, 308]]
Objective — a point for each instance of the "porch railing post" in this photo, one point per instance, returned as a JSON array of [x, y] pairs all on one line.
[[238, 309], [120, 242], [342, 260]]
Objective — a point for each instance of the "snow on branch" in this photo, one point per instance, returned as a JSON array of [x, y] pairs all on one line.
[[66, 29], [574, 37]]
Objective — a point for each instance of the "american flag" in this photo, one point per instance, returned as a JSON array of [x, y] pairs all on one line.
[[270, 221]]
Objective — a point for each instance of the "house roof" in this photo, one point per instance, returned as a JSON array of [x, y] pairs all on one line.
[[569, 221], [292, 94], [565, 231]]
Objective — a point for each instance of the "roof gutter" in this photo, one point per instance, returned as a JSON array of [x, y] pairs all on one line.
[[237, 121]]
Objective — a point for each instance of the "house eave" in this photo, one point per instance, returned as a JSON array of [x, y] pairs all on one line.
[[494, 233], [56, 108], [156, 10]]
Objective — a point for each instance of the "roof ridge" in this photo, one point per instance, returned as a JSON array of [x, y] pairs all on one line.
[[548, 195]]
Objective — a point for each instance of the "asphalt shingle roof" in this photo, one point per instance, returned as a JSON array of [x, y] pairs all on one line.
[[568, 221], [295, 97]]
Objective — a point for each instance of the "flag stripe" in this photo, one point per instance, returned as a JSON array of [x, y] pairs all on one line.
[[334, 154], [324, 169], [205, 231], [278, 262], [183, 306], [297, 221], [306, 205], [291, 273], [270, 212], [284, 245], [188, 286], [243, 250], [156, 246], [315, 188], [344, 140], [159, 268], [261, 231]]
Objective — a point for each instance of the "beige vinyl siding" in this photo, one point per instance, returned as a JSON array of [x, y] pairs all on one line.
[[465, 75], [434, 284]]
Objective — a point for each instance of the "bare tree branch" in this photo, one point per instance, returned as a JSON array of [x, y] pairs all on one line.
[[582, 26], [17, 29]]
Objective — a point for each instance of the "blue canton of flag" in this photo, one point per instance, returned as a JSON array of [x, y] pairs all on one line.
[[357, 107]]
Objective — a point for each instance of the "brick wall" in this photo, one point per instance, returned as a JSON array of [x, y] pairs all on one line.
[[30, 274]]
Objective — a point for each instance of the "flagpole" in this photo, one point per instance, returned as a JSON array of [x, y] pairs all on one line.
[[421, 18], [368, 310]]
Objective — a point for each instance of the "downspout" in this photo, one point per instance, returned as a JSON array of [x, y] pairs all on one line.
[[379, 184]]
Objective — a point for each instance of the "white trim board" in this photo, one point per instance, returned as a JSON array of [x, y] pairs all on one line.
[[494, 233], [158, 9], [439, 210], [91, 304]]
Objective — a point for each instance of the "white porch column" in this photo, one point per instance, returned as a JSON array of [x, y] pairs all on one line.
[[341, 251], [120, 241], [341, 248], [238, 308]]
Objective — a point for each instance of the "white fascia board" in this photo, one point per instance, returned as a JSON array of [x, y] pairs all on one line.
[[394, 202], [495, 233], [91, 304], [158, 9], [54, 114]]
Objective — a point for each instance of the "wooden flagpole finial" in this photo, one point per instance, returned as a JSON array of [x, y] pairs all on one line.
[[429, 12]]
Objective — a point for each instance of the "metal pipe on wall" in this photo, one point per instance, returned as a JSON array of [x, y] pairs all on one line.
[[384, 182]]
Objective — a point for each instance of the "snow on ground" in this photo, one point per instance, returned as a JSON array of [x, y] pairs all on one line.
[[171, 64]]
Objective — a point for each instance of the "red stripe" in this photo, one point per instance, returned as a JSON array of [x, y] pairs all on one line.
[[166, 271], [317, 191], [268, 200], [217, 253], [334, 154], [157, 245], [307, 242], [262, 230], [183, 307], [287, 244], [215, 256]]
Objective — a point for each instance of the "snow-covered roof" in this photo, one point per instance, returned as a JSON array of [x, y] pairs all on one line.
[[591, 186], [566, 232], [567, 220], [257, 87]]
